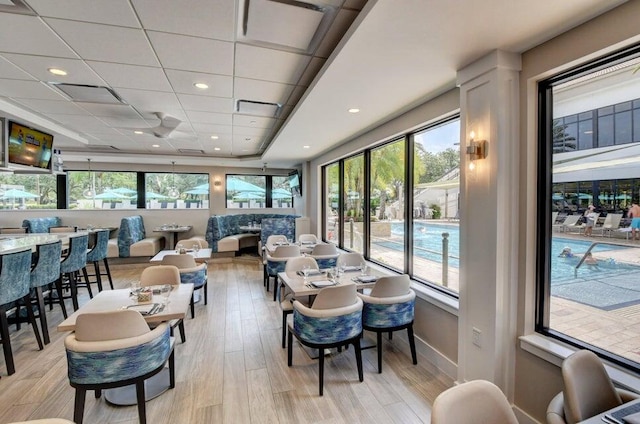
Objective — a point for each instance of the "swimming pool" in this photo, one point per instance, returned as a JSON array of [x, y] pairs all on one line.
[[427, 241]]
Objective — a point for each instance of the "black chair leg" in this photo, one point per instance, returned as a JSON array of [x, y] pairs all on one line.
[[96, 267], [182, 332], [284, 329], [142, 407], [32, 320], [390, 335], [193, 307], [321, 370], [412, 344], [379, 341], [6, 342], [172, 371], [86, 279], [97, 393], [290, 348], [74, 290], [43, 316], [106, 267], [358, 350], [60, 297], [78, 409]]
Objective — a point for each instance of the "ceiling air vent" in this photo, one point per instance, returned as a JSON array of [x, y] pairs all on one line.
[[101, 148], [250, 107], [88, 93], [191, 151]]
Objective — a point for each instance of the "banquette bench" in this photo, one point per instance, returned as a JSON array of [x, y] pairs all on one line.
[[132, 240], [224, 234], [41, 225]]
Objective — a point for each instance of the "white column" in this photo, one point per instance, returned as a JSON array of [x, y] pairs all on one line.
[[489, 222]]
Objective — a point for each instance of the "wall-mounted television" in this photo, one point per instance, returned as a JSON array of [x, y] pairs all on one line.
[[29, 147], [295, 183]]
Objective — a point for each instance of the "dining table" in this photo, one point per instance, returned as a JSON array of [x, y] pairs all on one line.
[[173, 230], [304, 247], [200, 256], [14, 242]]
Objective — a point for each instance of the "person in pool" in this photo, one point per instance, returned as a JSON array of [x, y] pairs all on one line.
[[590, 260], [566, 253]]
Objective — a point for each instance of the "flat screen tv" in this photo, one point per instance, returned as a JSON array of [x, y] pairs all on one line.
[[29, 147], [295, 183]]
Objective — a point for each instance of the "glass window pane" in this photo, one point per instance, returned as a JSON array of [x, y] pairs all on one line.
[[585, 134], [332, 196], [353, 203], [28, 191], [246, 191], [436, 215], [281, 196], [102, 190], [605, 131], [636, 125], [166, 190], [623, 127], [387, 239]]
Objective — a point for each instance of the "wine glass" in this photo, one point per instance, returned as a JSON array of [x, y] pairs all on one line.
[[363, 268], [332, 275], [179, 248], [305, 271], [135, 290], [165, 291], [196, 247]]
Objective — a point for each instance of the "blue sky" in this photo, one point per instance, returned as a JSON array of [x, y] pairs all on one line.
[[440, 138]]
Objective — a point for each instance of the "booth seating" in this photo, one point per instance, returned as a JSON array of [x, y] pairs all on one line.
[[41, 225], [224, 233], [132, 240]]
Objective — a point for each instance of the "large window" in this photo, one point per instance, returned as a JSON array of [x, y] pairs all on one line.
[[587, 284], [176, 191], [28, 191], [398, 204], [101, 190], [258, 191]]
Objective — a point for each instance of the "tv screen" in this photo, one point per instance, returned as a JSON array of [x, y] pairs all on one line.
[[29, 147], [294, 183]]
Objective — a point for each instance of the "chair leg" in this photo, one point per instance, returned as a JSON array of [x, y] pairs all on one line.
[[172, 371], [97, 393], [85, 275], [206, 289], [358, 350], [390, 335], [193, 307], [183, 337], [43, 316], [78, 408], [142, 407], [6, 342], [412, 344], [60, 298], [289, 348], [106, 267], [284, 329], [74, 290], [379, 347], [321, 370], [32, 320], [96, 267], [276, 286]]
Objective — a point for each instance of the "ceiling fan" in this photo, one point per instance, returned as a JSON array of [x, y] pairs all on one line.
[[167, 126]]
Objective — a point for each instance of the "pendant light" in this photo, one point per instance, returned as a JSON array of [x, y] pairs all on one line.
[[173, 191], [90, 191]]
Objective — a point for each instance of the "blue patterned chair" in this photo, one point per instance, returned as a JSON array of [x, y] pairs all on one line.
[[276, 263], [286, 302], [73, 263], [334, 320], [164, 274], [123, 353], [224, 235], [388, 308], [14, 286], [326, 254], [132, 239], [190, 272], [41, 225], [95, 255], [45, 272]]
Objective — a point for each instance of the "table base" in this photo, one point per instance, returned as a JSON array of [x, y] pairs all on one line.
[[153, 387]]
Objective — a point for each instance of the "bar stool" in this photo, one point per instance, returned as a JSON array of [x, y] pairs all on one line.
[[46, 271], [72, 264], [95, 255], [14, 286]]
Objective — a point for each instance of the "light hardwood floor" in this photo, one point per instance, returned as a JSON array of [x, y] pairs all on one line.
[[232, 369]]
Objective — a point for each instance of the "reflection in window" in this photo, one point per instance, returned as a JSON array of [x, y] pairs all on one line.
[[246, 191], [353, 192], [176, 191], [281, 192], [28, 191], [331, 198], [586, 295], [102, 190]]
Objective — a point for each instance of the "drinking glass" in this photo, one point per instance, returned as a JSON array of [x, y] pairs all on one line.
[[363, 268], [196, 247], [332, 275], [179, 247], [135, 290], [305, 271], [165, 291]]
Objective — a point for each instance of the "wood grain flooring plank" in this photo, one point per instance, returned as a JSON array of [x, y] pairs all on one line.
[[235, 405], [261, 403]]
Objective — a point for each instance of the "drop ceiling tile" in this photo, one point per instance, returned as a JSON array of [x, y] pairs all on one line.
[[182, 82], [113, 12], [40, 41], [269, 64], [248, 141], [207, 130], [107, 134], [79, 123], [336, 31], [111, 111], [21, 89], [250, 131], [132, 76], [311, 71], [205, 103], [261, 91], [10, 71], [146, 101], [210, 118], [106, 43], [53, 106], [77, 71], [200, 18], [252, 121], [193, 54]]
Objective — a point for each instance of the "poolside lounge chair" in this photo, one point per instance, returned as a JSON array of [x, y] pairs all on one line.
[[569, 222], [611, 223]]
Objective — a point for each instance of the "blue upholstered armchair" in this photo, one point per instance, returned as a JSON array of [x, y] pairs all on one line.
[[334, 320], [124, 352], [41, 225], [388, 308], [190, 273], [276, 263]]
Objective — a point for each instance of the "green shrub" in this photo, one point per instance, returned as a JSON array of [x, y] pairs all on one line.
[[437, 213]]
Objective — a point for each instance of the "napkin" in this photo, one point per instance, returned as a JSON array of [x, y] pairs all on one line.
[[367, 278], [145, 308], [352, 268], [322, 283], [632, 419], [311, 272]]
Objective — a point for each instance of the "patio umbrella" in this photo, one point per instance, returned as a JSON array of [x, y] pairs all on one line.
[[281, 193], [202, 187], [151, 195], [623, 197], [123, 190], [235, 184], [14, 193], [557, 197], [198, 191], [110, 195], [247, 195]]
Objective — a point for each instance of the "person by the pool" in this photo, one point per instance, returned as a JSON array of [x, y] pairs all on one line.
[[634, 214], [590, 260]]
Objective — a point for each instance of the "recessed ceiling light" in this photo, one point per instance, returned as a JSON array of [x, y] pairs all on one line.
[[138, 132], [214, 137], [306, 147], [354, 110], [252, 122], [56, 71], [217, 149], [155, 145], [245, 150], [247, 139], [201, 85]]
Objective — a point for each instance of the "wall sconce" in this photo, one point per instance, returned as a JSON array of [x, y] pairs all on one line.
[[217, 183], [477, 149]]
